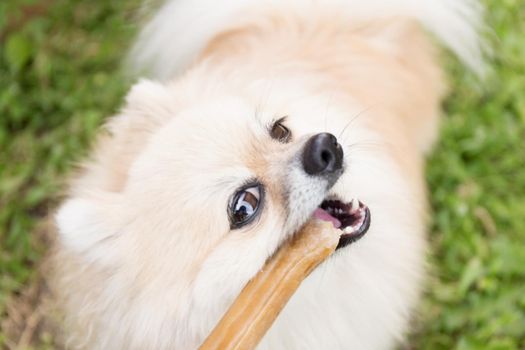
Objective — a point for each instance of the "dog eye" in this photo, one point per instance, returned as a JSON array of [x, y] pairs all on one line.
[[245, 205], [280, 132]]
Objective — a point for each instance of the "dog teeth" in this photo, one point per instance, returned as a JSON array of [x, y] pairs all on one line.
[[349, 229], [355, 205]]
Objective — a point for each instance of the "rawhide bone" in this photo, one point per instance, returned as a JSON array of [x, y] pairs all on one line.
[[262, 299]]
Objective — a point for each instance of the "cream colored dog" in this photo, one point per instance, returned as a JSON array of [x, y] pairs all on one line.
[[263, 114]]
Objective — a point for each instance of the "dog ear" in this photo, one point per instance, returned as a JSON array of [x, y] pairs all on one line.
[[152, 99], [84, 223], [149, 105]]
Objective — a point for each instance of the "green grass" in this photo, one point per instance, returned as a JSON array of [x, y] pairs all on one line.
[[60, 77], [477, 181]]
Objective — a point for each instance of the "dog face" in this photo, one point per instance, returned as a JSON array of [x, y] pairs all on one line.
[[211, 191]]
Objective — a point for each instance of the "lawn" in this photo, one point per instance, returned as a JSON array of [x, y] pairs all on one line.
[[60, 77]]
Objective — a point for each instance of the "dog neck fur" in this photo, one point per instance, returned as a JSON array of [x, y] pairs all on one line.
[[173, 38]]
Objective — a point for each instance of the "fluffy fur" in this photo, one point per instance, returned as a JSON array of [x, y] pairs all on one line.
[[146, 258]]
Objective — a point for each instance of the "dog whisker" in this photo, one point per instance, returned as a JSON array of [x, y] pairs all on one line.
[[354, 118], [364, 145]]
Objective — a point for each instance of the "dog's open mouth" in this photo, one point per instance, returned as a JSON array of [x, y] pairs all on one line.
[[352, 218]]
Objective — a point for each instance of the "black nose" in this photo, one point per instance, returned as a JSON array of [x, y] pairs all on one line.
[[322, 155]]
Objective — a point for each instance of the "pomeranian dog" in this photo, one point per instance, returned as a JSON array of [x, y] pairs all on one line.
[[259, 116]]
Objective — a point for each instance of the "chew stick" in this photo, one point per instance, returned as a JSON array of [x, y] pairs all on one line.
[[263, 298]]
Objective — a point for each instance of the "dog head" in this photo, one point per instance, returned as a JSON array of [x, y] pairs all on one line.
[[196, 188]]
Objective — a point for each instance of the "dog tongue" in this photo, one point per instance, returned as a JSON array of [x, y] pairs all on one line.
[[322, 214]]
